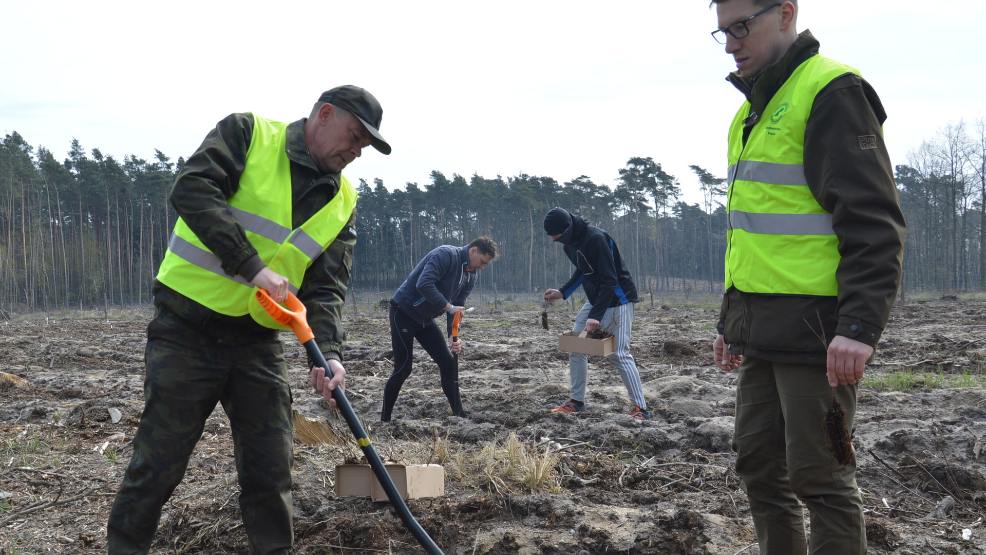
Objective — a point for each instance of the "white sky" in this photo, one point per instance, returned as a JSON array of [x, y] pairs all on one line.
[[545, 88]]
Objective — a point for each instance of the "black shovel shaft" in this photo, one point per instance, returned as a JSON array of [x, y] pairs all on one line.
[[363, 439]]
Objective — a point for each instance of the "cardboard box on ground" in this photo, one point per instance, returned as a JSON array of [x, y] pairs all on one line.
[[573, 343], [413, 481]]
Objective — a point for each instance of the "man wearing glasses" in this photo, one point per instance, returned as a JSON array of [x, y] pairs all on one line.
[[813, 263]]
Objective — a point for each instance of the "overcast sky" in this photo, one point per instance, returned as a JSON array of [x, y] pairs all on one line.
[[558, 89]]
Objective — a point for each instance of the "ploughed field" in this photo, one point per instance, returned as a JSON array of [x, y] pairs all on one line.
[[518, 479]]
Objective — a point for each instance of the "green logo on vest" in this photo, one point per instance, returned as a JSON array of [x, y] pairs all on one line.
[[779, 113]]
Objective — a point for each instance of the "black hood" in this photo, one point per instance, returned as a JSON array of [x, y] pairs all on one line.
[[575, 232]]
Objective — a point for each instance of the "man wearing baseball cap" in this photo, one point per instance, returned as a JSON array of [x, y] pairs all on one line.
[[261, 204]]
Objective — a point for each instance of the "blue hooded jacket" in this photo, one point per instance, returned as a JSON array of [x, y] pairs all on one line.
[[437, 280], [599, 268]]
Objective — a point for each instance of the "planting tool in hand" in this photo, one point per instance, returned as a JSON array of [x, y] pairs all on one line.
[[544, 314], [456, 320], [453, 393], [294, 316]]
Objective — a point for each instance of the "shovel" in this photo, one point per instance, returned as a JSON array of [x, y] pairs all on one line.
[[455, 401], [456, 320], [294, 316]]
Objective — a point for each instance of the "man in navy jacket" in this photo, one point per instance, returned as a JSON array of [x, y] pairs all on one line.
[[440, 282], [610, 294]]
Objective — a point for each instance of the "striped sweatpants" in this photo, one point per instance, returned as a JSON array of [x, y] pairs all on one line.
[[618, 321]]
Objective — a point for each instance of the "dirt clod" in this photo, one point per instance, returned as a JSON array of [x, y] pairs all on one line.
[[598, 333]]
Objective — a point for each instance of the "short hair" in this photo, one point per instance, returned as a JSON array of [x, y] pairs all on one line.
[[318, 106], [485, 245]]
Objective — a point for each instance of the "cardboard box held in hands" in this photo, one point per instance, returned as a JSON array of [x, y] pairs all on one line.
[[570, 342]]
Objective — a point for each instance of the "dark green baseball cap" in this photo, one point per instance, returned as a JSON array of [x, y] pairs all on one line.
[[360, 103]]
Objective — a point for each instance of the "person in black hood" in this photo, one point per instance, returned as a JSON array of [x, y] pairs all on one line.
[[610, 294]]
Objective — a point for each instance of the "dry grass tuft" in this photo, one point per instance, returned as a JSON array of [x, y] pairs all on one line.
[[506, 467], [441, 449], [315, 432], [11, 380]]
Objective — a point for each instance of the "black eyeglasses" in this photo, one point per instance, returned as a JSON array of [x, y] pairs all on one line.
[[741, 28]]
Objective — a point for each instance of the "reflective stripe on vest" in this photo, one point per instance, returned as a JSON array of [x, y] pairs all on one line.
[[262, 207], [782, 224], [766, 172], [779, 239]]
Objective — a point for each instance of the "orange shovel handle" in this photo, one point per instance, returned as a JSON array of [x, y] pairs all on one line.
[[456, 320], [293, 314]]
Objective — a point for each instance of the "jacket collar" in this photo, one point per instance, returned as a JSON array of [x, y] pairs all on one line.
[[760, 88], [297, 150]]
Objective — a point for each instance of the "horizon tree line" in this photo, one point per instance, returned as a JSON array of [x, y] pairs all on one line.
[[90, 231]]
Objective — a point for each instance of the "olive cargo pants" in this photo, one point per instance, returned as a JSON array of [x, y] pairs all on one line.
[[783, 454], [188, 371]]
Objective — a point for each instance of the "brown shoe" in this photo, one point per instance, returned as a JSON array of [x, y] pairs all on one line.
[[569, 407]]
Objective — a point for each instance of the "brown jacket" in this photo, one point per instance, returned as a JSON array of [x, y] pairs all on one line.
[[851, 177], [211, 176]]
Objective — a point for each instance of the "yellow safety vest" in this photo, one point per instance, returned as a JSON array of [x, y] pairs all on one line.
[[262, 206], [779, 239]]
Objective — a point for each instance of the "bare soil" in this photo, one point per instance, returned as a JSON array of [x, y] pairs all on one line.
[[605, 483]]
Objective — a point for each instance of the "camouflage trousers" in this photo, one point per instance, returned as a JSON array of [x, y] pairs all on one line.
[[783, 455], [189, 371]]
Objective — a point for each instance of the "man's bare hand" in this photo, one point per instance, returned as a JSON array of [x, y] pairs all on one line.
[[455, 346], [323, 385], [846, 361], [723, 358], [591, 324], [553, 295], [274, 283]]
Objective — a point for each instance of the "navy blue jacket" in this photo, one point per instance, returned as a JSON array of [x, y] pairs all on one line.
[[599, 268], [438, 279]]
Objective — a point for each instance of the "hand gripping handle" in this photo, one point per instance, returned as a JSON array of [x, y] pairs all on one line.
[[293, 316], [456, 320]]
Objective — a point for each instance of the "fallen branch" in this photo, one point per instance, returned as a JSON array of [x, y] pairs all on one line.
[[563, 447], [29, 469], [40, 506], [890, 468], [942, 486], [693, 465], [914, 492]]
